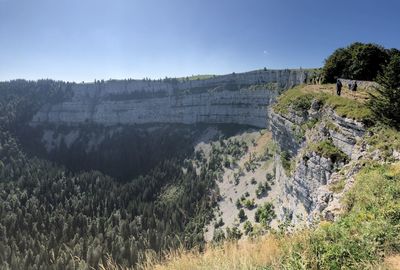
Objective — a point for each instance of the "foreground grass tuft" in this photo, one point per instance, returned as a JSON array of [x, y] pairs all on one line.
[[251, 254]]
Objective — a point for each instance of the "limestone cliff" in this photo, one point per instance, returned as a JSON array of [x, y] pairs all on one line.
[[235, 98], [304, 191], [323, 148]]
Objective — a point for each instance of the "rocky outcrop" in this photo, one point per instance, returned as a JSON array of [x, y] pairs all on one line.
[[284, 132], [305, 192], [235, 98]]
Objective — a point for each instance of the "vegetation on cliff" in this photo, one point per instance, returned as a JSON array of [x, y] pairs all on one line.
[[367, 236], [299, 99], [53, 217], [50, 216], [386, 102]]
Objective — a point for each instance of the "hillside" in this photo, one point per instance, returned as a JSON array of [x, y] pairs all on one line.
[[315, 185], [342, 174], [76, 192]]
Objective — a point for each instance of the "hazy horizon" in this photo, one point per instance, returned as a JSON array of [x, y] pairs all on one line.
[[87, 40]]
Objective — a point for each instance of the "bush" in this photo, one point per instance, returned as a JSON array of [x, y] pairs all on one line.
[[286, 161], [238, 204], [249, 204], [253, 181], [219, 236], [242, 216], [265, 214], [262, 189], [233, 234], [327, 149], [248, 227], [219, 223]]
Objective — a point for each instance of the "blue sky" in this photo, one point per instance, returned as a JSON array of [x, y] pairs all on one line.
[[79, 40]]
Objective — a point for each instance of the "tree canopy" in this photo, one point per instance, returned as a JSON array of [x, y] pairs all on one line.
[[386, 103], [358, 61]]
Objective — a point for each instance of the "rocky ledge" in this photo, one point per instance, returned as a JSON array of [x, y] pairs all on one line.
[[323, 149]]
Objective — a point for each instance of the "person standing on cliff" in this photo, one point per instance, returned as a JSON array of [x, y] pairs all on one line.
[[338, 87], [354, 86]]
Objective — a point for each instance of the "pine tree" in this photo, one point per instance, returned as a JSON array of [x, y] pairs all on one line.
[[386, 103]]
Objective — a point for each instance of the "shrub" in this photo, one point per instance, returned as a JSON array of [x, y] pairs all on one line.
[[249, 204], [219, 223], [269, 177], [248, 227], [286, 162], [265, 214], [219, 236], [327, 149], [242, 216], [262, 189], [238, 204], [233, 234]]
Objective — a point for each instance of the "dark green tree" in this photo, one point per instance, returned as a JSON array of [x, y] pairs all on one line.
[[337, 65], [265, 214], [386, 103], [358, 61], [242, 216]]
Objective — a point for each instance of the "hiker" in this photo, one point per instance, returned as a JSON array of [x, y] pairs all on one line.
[[354, 86], [338, 87]]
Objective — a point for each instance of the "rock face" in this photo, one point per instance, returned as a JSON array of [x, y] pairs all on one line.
[[235, 98], [306, 195]]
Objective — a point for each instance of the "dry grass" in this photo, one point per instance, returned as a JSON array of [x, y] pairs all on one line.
[[247, 254], [361, 95], [392, 262], [267, 252]]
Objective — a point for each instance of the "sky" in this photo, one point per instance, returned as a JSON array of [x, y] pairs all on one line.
[[84, 40]]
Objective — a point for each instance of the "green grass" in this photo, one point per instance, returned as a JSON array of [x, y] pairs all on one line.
[[300, 98], [385, 140], [287, 162], [295, 99], [346, 107], [327, 149], [368, 230], [197, 77], [338, 186]]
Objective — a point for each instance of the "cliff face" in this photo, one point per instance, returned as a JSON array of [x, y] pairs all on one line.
[[235, 98], [308, 190], [304, 194]]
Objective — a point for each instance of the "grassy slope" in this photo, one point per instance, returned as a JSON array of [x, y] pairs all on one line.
[[350, 104]]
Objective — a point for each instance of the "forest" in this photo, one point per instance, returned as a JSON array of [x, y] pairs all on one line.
[[56, 216]]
